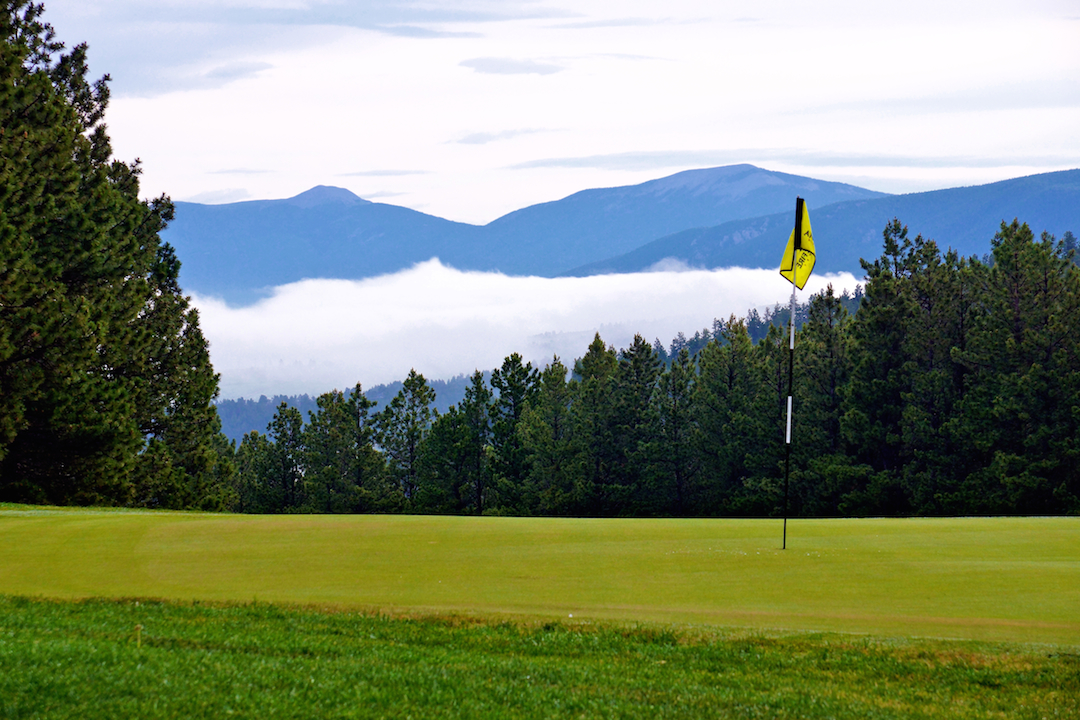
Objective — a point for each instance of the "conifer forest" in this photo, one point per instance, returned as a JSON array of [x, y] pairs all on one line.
[[953, 389], [947, 386]]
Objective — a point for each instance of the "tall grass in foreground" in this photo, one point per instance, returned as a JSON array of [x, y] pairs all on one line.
[[127, 658]]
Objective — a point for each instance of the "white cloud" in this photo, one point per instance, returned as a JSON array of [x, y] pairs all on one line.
[[669, 264], [482, 138], [315, 335], [382, 173], [239, 171], [218, 197], [237, 70], [510, 66]]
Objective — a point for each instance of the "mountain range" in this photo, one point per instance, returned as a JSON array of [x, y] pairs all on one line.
[[961, 218], [737, 215]]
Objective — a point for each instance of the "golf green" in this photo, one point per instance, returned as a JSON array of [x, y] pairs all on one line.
[[1010, 579]]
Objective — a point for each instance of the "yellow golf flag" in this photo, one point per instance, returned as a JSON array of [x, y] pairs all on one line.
[[799, 257]]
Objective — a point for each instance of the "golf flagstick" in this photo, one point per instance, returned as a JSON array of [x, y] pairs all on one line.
[[796, 266]]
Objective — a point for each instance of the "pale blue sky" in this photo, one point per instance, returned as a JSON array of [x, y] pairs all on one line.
[[470, 109]]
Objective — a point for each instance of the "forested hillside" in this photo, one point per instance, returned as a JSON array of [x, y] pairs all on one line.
[[105, 379], [953, 389]]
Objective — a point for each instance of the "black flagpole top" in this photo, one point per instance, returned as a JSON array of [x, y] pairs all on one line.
[[798, 223]]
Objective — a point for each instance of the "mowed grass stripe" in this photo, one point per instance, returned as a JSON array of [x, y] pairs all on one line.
[[1008, 579]]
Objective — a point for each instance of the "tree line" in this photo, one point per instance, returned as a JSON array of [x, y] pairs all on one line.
[[239, 415], [954, 388]]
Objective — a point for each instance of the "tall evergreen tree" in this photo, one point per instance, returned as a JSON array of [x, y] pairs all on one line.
[[342, 470], [672, 451], [822, 367], [599, 491], [872, 420], [285, 478], [103, 370], [174, 386], [1020, 412], [442, 483], [457, 456], [1068, 242], [254, 465], [634, 423], [517, 386], [401, 429], [822, 362], [944, 292], [730, 412], [554, 460]]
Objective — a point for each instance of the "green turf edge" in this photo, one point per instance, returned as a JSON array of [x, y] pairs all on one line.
[[81, 659]]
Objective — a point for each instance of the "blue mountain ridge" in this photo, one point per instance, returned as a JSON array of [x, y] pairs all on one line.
[[238, 251], [964, 219]]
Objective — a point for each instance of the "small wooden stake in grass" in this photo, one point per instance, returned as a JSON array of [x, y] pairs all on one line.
[[138, 636]]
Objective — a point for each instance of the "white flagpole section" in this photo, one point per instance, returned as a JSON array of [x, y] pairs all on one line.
[[791, 345], [791, 349], [788, 419]]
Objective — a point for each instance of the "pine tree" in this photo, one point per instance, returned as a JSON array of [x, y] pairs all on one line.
[[1068, 242], [634, 424], [252, 494], [401, 429], [1020, 412], [598, 492], [342, 469], [873, 411], [822, 367], [105, 382], [457, 458], [554, 459], [674, 462], [729, 405], [517, 386], [944, 302], [285, 479]]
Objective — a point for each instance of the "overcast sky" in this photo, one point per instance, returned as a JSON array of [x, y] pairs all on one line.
[[469, 109]]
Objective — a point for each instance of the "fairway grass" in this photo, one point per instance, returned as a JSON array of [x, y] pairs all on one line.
[[988, 579]]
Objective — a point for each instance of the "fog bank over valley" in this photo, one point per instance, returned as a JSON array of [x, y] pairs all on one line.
[[315, 335]]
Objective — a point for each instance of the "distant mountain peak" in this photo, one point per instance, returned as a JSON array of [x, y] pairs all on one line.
[[326, 195], [736, 181], [745, 177]]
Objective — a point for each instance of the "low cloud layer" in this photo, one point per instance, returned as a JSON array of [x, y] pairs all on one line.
[[661, 159], [510, 66], [314, 335], [482, 138], [218, 197]]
